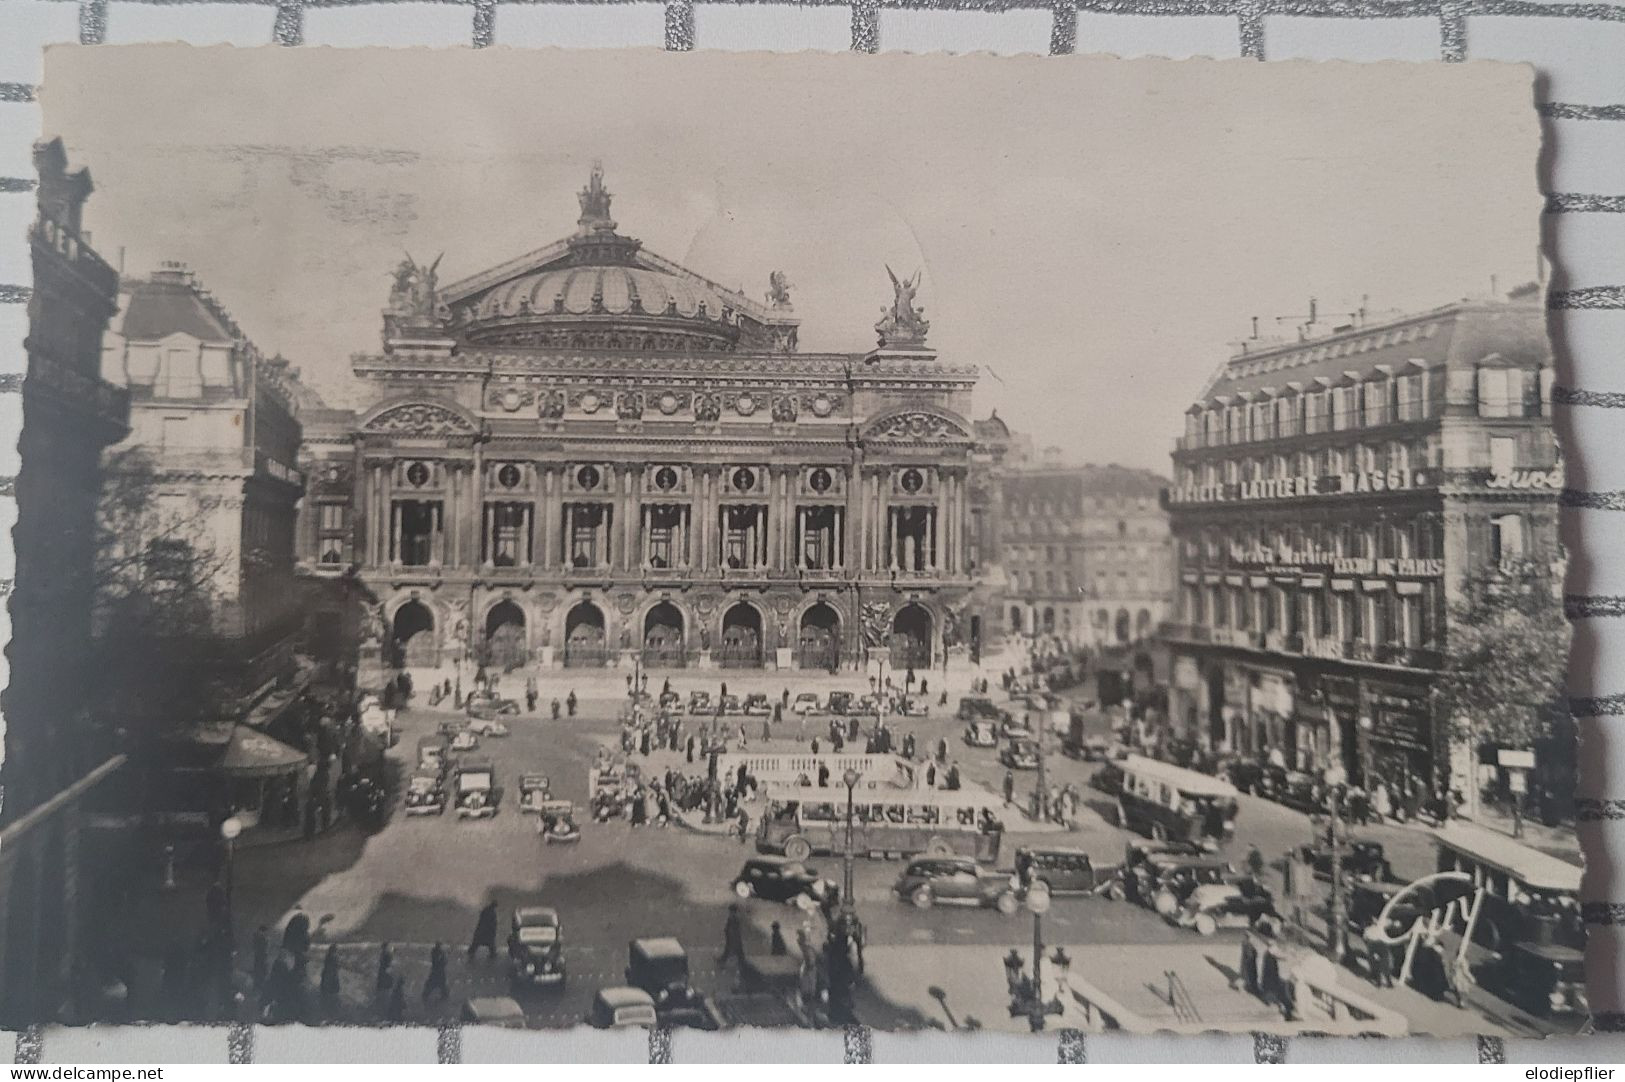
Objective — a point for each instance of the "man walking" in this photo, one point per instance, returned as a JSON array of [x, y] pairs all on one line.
[[733, 937], [485, 933], [436, 984]]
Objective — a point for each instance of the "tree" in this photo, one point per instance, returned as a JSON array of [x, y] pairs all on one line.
[[1507, 658]]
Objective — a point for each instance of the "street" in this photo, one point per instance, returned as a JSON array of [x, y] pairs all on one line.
[[422, 880]]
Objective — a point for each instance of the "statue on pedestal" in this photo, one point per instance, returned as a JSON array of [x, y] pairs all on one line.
[[903, 324]]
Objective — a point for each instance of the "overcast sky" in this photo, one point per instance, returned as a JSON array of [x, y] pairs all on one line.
[[1093, 233]]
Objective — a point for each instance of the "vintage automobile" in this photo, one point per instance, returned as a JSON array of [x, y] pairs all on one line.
[[557, 823], [1019, 754], [699, 702], [425, 794], [536, 947], [1108, 779], [981, 734], [865, 704], [432, 754], [620, 1007], [1014, 729], [1062, 871], [1545, 978], [1149, 868], [913, 707], [777, 879], [805, 703], [450, 727], [493, 1011], [465, 741], [475, 785], [659, 967], [1361, 858], [757, 706], [956, 881], [1163, 801], [490, 706], [840, 702], [487, 727], [979, 708], [1235, 903], [534, 791], [730, 706], [669, 700]]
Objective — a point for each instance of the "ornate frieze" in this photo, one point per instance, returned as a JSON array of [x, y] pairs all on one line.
[[916, 426], [421, 419]]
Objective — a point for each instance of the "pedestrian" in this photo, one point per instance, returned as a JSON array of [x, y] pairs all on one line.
[[931, 774], [953, 775], [767, 730], [689, 748], [396, 1011], [555, 710], [643, 742], [815, 745], [485, 933], [276, 1000], [724, 693], [262, 956], [744, 826], [530, 700], [296, 937], [925, 688], [1249, 963], [1379, 956], [436, 984], [330, 975], [570, 703], [386, 959], [823, 775], [776, 945], [733, 937], [1255, 863], [1009, 786], [942, 750]]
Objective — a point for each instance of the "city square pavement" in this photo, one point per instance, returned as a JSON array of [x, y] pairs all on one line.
[[423, 880]]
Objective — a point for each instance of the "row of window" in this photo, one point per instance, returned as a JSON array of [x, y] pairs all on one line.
[[1379, 400], [1418, 537], [1398, 455], [1104, 584], [1018, 503], [1378, 618], [1091, 528]]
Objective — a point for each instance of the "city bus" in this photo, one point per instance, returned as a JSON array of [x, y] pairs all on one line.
[[936, 822], [1167, 802]]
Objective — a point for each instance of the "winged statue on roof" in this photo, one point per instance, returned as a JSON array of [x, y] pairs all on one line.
[[903, 324], [415, 294]]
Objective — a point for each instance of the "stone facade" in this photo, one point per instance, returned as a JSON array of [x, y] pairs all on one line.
[[1331, 496], [54, 755], [592, 455]]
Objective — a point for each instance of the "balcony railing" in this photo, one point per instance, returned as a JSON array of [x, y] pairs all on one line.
[[1309, 646], [1315, 425]]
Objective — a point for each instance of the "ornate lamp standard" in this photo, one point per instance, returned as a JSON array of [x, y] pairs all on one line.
[[1336, 777], [229, 830], [851, 778], [1035, 1007]]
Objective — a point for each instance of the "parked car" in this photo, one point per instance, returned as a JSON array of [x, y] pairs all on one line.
[[805, 703], [1232, 904], [669, 699], [465, 741], [699, 702], [659, 967], [977, 708], [493, 1011], [840, 702], [1545, 978], [536, 947], [953, 881], [1062, 871], [913, 707], [729, 705], [981, 734], [475, 785], [425, 795], [489, 706], [1019, 754], [756, 705], [1108, 779], [487, 727], [620, 1007], [776, 879], [535, 790], [450, 727], [866, 704]]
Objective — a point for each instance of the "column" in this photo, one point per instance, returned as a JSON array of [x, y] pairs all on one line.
[[568, 541], [454, 489], [476, 497], [437, 532], [801, 538], [892, 556], [839, 540], [394, 531], [383, 516], [939, 517], [530, 535], [550, 520]]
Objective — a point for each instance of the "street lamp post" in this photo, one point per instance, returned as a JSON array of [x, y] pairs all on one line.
[[1038, 899], [229, 830], [1335, 779], [851, 777]]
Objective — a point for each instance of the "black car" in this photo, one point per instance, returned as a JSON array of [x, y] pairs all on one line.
[[776, 879], [1063, 871], [1361, 858]]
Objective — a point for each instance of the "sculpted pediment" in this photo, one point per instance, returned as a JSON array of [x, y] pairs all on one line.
[[420, 419], [916, 426]]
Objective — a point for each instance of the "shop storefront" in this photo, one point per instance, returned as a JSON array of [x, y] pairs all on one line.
[[1401, 742]]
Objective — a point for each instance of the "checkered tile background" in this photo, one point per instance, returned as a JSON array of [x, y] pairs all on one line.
[[1579, 50]]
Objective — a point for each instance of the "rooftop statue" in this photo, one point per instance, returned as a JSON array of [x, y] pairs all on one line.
[[415, 297], [778, 290], [595, 203], [903, 324]]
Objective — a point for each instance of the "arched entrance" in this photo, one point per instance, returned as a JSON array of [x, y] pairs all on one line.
[[415, 646], [741, 638], [663, 637], [911, 638], [505, 636], [584, 643], [1015, 619], [820, 639], [1142, 624], [1122, 625], [1049, 621]]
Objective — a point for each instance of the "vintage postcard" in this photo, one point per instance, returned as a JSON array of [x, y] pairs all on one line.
[[632, 539]]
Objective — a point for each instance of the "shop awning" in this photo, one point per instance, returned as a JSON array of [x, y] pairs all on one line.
[[255, 755]]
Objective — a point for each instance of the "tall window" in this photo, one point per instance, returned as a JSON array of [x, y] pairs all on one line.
[[1500, 392], [1506, 538], [1503, 454]]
